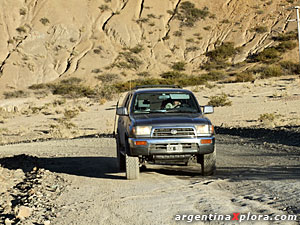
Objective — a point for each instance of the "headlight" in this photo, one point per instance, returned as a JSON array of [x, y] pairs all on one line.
[[142, 130], [205, 129]]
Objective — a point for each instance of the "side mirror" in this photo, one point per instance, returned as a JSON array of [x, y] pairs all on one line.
[[208, 109], [122, 111]]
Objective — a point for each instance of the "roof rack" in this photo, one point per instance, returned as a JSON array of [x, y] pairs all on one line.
[[156, 86]]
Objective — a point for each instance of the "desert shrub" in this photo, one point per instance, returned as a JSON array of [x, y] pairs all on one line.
[[222, 52], [15, 94], [58, 102], [71, 81], [97, 70], [143, 74], [207, 28], [270, 71], [72, 91], [151, 15], [214, 65], [225, 21], [70, 113], [107, 92], [22, 12], [178, 66], [137, 49], [21, 29], [259, 29], [192, 49], [214, 75], [244, 77], [142, 20], [172, 75], [267, 117], [268, 56], [103, 8], [127, 60], [290, 67], [97, 51], [291, 35], [44, 21], [108, 77], [178, 33], [219, 100], [188, 14], [286, 45], [38, 86]]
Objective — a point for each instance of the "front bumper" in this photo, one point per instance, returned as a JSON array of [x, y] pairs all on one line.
[[161, 146]]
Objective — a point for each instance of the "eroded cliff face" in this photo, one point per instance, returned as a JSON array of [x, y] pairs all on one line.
[[44, 40]]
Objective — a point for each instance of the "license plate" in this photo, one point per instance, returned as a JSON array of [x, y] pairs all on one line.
[[174, 148]]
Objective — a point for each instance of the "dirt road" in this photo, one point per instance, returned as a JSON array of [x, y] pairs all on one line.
[[252, 177]]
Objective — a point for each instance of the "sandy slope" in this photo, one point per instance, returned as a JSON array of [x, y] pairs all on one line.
[[42, 41]]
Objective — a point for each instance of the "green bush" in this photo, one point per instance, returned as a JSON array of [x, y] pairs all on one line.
[[143, 74], [107, 92], [270, 71], [178, 66], [192, 49], [15, 94], [267, 117], [268, 56], [103, 8], [71, 81], [108, 77], [21, 29], [72, 91], [214, 75], [291, 35], [70, 113], [38, 86], [259, 29], [177, 33], [172, 75], [44, 21], [214, 65], [244, 77], [219, 100], [137, 49], [286, 45], [290, 67], [222, 52], [188, 15], [127, 60], [22, 11]]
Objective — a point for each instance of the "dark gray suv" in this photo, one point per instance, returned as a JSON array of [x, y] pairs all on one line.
[[163, 125]]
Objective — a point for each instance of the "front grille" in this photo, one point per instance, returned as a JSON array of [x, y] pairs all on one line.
[[173, 132], [185, 146]]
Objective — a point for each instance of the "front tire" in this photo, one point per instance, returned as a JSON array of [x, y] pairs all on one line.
[[208, 163], [132, 167]]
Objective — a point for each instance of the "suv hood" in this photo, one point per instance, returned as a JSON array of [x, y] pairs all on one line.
[[176, 118]]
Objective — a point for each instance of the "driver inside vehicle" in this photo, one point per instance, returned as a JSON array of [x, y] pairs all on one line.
[[173, 104]]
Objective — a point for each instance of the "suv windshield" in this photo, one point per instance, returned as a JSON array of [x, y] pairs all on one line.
[[165, 102]]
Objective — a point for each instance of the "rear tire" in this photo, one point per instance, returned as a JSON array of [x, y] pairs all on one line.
[[132, 167], [120, 156], [208, 163]]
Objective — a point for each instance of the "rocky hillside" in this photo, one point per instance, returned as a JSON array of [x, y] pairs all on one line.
[[45, 40]]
